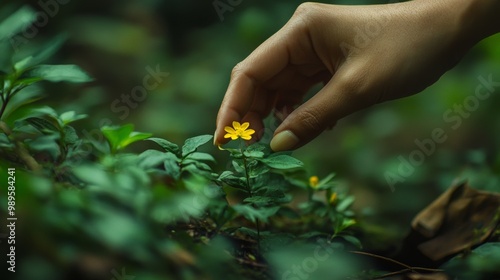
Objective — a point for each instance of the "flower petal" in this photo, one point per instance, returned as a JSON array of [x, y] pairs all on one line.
[[248, 132], [246, 137], [236, 125], [244, 125], [229, 129], [228, 135]]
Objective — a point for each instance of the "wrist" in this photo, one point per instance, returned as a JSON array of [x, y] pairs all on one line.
[[471, 20]]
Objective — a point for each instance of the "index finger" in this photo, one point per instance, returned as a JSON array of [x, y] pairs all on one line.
[[270, 58]]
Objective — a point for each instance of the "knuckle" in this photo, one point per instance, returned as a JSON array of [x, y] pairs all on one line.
[[237, 70], [308, 17], [310, 120], [306, 10]]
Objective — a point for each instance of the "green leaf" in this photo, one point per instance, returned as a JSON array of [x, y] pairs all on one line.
[[192, 144], [259, 200], [166, 145], [252, 213], [282, 162], [258, 170], [70, 116], [27, 81], [117, 134], [345, 203], [228, 178], [256, 150], [59, 73], [238, 166], [120, 137], [70, 135], [42, 125], [134, 137], [17, 22], [47, 50], [45, 111], [151, 158], [5, 141], [353, 240], [172, 167], [201, 157], [345, 223], [326, 183], [46, 143]]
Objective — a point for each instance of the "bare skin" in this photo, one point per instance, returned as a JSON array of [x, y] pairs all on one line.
[[363, 55]]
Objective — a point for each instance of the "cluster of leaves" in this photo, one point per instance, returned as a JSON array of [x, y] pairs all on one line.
[[92, 208], [160, 206]]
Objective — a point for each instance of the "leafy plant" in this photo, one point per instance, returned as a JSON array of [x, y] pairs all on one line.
[[162, 212]]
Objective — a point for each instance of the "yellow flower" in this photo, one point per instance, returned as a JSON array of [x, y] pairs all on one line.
[[239, 131], [313, 181], [333, 198]]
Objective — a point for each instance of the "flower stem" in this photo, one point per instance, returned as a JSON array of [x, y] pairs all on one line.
[[245, 166]]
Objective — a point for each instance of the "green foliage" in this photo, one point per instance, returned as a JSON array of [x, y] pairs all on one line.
[[172, 211], [122, 136], [159, 208]]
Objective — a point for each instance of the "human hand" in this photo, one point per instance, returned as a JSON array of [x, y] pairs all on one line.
[[363, 54]]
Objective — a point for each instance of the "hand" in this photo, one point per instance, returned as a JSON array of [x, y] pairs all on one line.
[[363, 54]]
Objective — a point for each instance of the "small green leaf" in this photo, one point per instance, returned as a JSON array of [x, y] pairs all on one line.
[[42, 125], [71, 116], [166, 145], [117, 134], [281, 161], [70, 135], [17, 22], [192, 144], [326, 183], [258, 170], [256, 150], [59, 73], [238, 166], [151, 158], [252, 213], [120, 137], [228, 178], [201, 157], [353, 240], [172, 166], [47, 50], [345, 203], [46, 143], [134, 137]]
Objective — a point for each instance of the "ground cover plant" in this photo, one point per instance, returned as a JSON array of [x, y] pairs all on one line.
[[135, 205]]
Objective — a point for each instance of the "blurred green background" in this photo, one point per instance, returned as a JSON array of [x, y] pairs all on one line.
[[116, 41]]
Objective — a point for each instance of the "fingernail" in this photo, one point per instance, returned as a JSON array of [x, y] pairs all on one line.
[[215, 139], [283, 141]]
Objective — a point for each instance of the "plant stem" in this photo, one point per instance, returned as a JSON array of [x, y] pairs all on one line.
[[246, 175], [5, 100], [245, 165]]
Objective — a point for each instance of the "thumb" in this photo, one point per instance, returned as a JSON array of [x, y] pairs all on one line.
[[340, 97]]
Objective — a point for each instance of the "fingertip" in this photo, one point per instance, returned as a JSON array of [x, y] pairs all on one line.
[[284, 141]]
